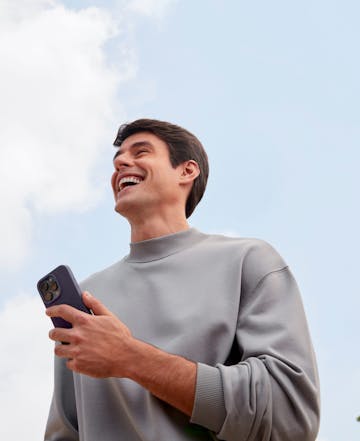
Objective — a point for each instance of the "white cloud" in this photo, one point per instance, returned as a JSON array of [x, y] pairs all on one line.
[[58, 107], [26, 369], [11, 11]]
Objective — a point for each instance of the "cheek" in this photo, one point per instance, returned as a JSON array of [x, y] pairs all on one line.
[[113, 179]]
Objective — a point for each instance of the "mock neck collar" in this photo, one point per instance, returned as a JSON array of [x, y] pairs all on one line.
[[163, 246]]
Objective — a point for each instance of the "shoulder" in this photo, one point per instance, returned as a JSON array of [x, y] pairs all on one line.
[[252, 249], [254, 257]]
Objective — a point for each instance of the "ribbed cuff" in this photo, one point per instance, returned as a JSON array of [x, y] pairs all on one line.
[[209, 407]]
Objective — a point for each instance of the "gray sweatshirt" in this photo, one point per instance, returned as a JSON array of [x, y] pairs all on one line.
[[229, 304]]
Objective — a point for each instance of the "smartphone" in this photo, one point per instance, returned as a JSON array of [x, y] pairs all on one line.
[[58, 287]]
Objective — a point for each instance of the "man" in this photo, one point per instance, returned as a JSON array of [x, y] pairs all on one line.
[[194, 336]]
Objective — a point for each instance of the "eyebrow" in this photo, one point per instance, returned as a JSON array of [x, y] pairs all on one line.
[[133, 146]]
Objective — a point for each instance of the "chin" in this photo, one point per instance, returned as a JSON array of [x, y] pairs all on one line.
[[123, 208], [118, 207]]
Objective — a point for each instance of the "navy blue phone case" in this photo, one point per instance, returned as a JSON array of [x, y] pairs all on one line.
[[68, 292]]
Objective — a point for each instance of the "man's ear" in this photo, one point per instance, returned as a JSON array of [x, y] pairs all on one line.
[[189, 172]]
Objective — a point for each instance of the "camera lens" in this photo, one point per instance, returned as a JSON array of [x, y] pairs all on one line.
[[48, 296], [52, 285], [44, 286]]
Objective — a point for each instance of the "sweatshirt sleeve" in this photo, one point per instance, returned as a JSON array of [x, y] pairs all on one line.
[[62, 420], [273, 392]]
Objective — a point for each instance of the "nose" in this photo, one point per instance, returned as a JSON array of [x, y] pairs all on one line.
[[122, 160]]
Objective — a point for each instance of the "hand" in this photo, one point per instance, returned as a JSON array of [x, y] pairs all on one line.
[[102, 346], [98, 345]]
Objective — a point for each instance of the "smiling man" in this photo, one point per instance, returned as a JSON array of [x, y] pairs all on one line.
[[194, 336]]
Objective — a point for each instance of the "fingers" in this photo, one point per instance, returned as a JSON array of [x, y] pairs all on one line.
[[61, 334], [66, 351], [73, 315], [95, 305], [66, 312]]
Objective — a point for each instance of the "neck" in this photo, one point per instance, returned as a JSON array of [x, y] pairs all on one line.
[[152, 228]]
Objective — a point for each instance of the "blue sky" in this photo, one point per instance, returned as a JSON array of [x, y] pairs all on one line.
[[272, 91]]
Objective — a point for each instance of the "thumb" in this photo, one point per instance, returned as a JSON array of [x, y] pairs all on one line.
[[94, 304]]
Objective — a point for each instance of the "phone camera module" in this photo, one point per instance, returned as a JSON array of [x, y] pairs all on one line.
[[49, 289]]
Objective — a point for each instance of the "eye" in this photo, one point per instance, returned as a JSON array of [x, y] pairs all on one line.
[[141, 152]]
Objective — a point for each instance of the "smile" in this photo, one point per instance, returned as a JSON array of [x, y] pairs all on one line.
[[127, 181]]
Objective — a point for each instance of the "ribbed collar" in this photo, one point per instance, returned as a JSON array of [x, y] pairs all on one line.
[[160, 247]]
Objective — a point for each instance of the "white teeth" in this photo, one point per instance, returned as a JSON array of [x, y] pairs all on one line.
[[127, 179]]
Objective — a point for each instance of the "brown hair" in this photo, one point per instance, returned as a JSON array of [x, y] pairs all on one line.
[[183, 146]]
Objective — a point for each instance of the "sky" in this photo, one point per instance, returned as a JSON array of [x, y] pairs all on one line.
[[270, 88]]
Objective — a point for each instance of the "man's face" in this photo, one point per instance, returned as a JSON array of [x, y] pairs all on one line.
[[144, 182]]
